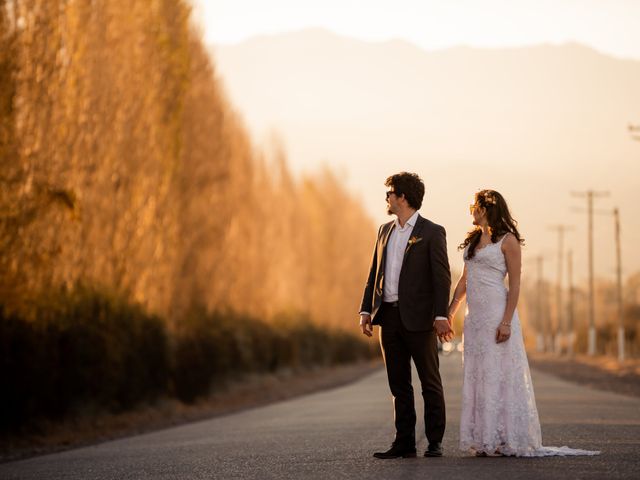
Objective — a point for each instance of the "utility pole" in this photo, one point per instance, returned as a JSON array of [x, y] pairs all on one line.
[[541, 339], [559, 329], [616, 216], [571, 338], [590, 195]]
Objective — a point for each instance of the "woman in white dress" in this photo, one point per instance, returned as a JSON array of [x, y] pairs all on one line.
[[499, 414]]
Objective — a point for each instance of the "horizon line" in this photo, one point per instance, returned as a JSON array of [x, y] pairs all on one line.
[[395, 39]]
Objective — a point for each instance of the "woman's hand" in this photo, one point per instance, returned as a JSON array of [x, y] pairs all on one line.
[[503, 333]]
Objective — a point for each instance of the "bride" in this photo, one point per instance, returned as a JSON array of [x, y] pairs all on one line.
[[499, 415]]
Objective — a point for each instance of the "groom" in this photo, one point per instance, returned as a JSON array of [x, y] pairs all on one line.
[[407, 294]]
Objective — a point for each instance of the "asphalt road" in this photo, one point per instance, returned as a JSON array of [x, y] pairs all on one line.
[[332, 435]]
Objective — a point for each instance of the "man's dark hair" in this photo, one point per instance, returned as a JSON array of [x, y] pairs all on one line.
[[408, 184]]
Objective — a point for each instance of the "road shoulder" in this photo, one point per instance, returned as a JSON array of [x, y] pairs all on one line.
[[253, 391], [600, 373]]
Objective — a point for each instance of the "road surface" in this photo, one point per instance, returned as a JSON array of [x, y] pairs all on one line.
[[332, 435]]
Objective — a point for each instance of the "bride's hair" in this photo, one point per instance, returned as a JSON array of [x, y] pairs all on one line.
[[498, 217]]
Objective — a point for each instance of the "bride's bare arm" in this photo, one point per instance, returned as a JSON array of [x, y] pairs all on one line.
[[458, 294], [513, 257]]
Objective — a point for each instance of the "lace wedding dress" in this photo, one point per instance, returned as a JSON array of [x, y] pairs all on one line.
[[499, 411]]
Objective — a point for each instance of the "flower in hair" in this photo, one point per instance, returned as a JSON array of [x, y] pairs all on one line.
[[489, 198]]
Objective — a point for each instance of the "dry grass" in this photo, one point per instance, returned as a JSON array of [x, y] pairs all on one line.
[[599, 372]]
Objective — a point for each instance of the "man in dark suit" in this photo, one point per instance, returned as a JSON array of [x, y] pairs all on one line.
[[407, 295]]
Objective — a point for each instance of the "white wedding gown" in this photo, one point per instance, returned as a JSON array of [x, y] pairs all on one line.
[[498, 405]]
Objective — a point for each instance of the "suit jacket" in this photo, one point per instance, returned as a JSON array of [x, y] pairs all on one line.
[[425, 278]]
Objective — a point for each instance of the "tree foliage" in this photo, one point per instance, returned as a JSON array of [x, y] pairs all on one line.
[[124, 166]]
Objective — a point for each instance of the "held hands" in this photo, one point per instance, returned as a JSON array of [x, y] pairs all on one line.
[[365, 324], [453, 309], [443, 330], [503, 332]]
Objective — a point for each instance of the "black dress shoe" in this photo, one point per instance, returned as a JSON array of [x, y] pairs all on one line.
[[434, 450], [397, 451]]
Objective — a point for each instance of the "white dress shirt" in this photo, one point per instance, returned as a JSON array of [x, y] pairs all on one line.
[[393, 263], [395, 253]]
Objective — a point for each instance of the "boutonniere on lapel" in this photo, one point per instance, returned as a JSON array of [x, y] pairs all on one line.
[[412, 241]]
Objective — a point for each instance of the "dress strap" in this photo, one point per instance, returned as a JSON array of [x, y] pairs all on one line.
[[503, 237]]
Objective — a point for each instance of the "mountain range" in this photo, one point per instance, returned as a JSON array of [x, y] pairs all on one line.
[[535, 123]]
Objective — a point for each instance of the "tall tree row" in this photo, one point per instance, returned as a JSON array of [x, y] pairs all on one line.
[[123, 166]]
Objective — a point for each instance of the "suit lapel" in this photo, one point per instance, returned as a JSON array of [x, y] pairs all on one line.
[[415, 232], [385, 241]]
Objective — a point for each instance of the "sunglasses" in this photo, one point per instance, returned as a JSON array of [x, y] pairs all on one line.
[[472, 207], [388, 194]]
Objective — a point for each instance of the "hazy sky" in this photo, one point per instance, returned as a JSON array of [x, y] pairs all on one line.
[[610, 26], [609, 159]]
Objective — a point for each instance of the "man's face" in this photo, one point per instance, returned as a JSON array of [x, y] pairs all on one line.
[[392, 201]]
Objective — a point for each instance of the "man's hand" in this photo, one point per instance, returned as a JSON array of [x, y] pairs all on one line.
[[443, 330], [365, 324]]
